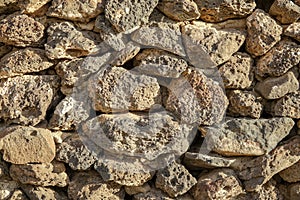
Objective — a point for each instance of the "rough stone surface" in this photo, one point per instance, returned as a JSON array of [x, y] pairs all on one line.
[[76, 10], [294, 191], [285, 11], [158, 194], [180, 10], [131, 190], [7, 188], [23, 61], [263, 33], [45, 174], [175, 180], [32, 6], [221, 10], [8, 6], [247, 137], [31, 96], [18, 195], [127, 14], [38, 193], [4, 49], [217, 184], [293, 31], [291, 174], [260, 170], [238, 71], [21, 145], [126, 54], [4, 173], [20, 30]]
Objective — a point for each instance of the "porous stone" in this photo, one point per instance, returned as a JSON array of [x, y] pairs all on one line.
[[285, 11], [247, 137], [7, 188], [238, 71], [293, 31], [221, 10], [23, 61], [291, 174], [126, 54], [25, 99], [260, 170], [180, 10], [244, 103], [76, 10], [31, 6], [132, 190], [73, 152], [127, 14], [21, 30], [21, 145], [8, 6], [160, 63], [38, 193], [175, 180], [116, 89], [263, 33], [45, 174], [18, 195], [217, 184], [208, 47]]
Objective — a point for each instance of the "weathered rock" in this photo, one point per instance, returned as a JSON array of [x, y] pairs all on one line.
[[160, 63], [45, 174], [217, 184], [285, 11], [244, 103], [158, 17], [158, 194], [247, 137], [18, 195], [31, 6], [291, 174], [74, 152], [76, 10], [207, 47], [238, 71], [127, 14], [131, 190], [126, 54], [8, 6], [4, 49], [293, 31], [7, 188], [263, 33], [21, 145], [221, 10], [294, 191], [89, 185], [3, 169], [175, 180], [38, 193], [260, 170], [25, 99], [180, 10], [116, 89], [23, 61], [20, 30]]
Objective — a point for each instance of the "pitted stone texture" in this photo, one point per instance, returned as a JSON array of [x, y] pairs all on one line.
[[126, 54], [21, 30], [23, 61], [89, 186], [38, 193], [45, 174], [8, 6], [76, 10], [198, 100], [247, 137], [260, 170], [279, 59], [244, 103], [19, 195], [25, 99], [180, 10], [65, 41], [217, 184], [263, 33], [293, 31], [175, 180], [207, 47], [31, 6], [7, 188], [127, 14], [160, 63], [238, 71], [291, 174], [131, 190], [21, 145], [75, 153], [116, 89], [285, 11], [221, 10]]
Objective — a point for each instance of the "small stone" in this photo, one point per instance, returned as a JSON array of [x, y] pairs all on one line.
[[238, 71], [73, 152], [31, 6], [221, 10], [18, 195], [21, 30], [175, 180], [38, 193], [291, 174], [45, 174], [285, 11], [293, 31], [23, 61], [21, 145], [126, 54], [180, 10], [287, 106], [132, 190], [7, 188], [263, 33], [294, 191], [217, 184], [260, 170], [247, 137], [127, 14]]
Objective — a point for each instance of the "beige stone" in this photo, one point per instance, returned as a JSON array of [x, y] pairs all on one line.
[[287, 106], [18, 195], [291, 174], [132, 190], [285, 11], [158, 194], [126, 54], [7, 188], [38, 192], [293, 30], [31, 6]]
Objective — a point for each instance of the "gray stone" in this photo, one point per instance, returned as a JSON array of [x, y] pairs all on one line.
[[126, 54], [293, 31], [7, 188], [132, 190], [291, 174], [285, 11], [38, 193]]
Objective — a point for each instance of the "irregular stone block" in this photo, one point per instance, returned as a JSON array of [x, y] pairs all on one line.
[[31, 6], [126, 54], [287, 106], [7, 188], [291, 174], [293, 31], [38, 192], [131, 190], [247, 137], [285, 11]]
